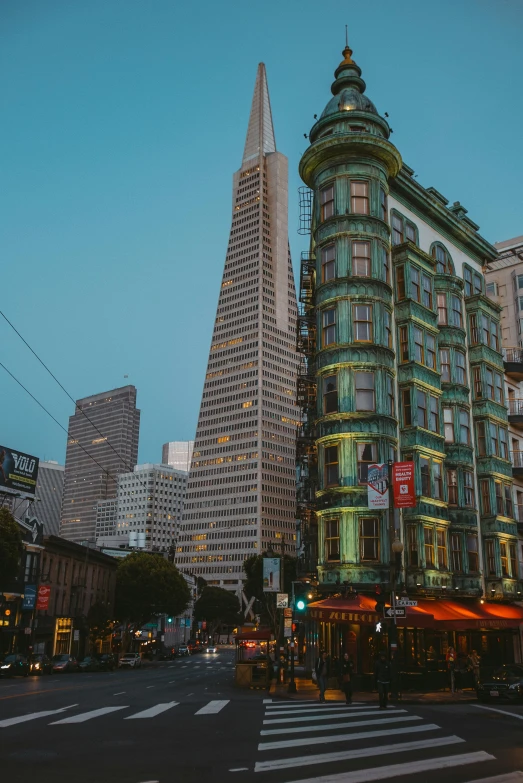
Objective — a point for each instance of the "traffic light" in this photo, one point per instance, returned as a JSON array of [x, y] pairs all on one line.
[[380, 600], [303, 595]]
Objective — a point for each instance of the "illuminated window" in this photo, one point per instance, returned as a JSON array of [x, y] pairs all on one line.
[[428, 540], [331, 466], [441, 538], [452, 484], [332, 539], [369, 539], [456, 553], [444, 362], [442, 309]]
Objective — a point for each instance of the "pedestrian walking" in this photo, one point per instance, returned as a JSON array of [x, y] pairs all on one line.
[[382, 675], [346, 669], [451, 666], [322, 669], [474, 663], [395, 685]]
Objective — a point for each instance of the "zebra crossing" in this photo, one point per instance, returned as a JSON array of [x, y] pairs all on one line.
[[212, 707], [352, 737]]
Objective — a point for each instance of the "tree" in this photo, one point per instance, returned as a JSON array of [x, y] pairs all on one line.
[[217, 607], [148, 585], [253, 586], [100, 622], [11, 548]]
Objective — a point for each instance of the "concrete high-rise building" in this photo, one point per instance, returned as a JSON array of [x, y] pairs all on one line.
[[102, 443], [48, 496], [241, 492], [504, 278], [178, 454], [146, 511]]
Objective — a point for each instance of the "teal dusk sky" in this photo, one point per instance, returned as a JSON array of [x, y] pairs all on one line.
[[122, 125]]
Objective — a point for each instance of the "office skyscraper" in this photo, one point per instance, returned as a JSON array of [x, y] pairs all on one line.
[[178, 454], [106, 426], [241, 492]]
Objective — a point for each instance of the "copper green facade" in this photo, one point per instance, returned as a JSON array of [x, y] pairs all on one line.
[[402, 361]]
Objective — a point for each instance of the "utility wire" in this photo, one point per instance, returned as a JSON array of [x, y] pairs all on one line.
[[125, 463]]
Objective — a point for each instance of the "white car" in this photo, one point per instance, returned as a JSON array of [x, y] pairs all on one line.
[[130, 661], [212, 648]]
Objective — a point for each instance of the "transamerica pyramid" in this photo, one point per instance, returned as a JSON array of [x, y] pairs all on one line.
[[241, 493]]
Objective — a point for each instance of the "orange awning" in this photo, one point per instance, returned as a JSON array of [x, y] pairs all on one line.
[[438, 614]]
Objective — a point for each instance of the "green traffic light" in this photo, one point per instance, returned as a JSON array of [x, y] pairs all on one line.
[[300, 605]]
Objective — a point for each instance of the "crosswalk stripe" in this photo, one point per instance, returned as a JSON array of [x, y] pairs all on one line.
[[358, 753], [331, 726], [32, 716], [509, 777], [213, 707], [331, 716], [83, 716], [358, 735], [363, 714], [407, 768], [503, 712], [152, 711], [314, 702], [314, 709]]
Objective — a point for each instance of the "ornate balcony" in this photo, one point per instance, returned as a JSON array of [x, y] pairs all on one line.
[[513, 361], [516, 457], [515, 413]]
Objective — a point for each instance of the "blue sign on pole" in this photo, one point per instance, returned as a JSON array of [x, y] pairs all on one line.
[[29, 597]]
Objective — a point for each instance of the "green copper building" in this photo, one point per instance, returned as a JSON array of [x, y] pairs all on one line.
[[401, 362]]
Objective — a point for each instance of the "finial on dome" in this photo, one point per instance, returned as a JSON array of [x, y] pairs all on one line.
[[347, 52]]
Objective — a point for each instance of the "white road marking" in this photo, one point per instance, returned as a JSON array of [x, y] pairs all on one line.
[[364, 713], [171, 682], [83, 716], [344, 755], [502, 712], [184, 666], [32, 716], [358, 735], [319, 709], [396, 770], [267, 701], [239, 769], [314, 702], [329, 726], [150, 686], [213, 707], [119, 693], [303, 718], [509, 777], [152, 711]]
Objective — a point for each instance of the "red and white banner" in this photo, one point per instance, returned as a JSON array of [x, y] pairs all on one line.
[[403, 485], [44, 594]]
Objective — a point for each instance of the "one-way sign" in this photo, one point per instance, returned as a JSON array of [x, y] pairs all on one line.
[[390, 612]]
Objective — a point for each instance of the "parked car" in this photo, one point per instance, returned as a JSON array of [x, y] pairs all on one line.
[[130, 661], [108, 661], [64, 663], [89, 664], [183, 650], [212, 648], [505, 683], [40, 664], [14, 665]]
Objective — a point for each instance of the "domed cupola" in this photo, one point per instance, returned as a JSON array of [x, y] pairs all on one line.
[[348, 89]]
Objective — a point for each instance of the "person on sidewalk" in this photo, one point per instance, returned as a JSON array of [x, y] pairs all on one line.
[[270, 672], [474, 663], [322, 669], [346, 669], [382, 675], [395, 685], [451, 666]]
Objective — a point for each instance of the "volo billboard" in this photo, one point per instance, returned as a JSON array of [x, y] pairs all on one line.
[[403, 485], [18, 472]]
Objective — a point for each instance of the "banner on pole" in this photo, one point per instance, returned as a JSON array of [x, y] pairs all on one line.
[[271, 574], [403, 484], [378, 486]]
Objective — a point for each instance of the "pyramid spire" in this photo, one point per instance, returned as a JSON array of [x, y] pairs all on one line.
[[260, 133]]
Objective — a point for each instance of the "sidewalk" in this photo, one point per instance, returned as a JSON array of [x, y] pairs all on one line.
[[306, 689]]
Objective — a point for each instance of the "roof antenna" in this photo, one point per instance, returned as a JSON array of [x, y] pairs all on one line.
[[346, 36]]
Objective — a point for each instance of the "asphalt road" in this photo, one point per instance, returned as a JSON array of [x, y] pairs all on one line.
[[184, 721]]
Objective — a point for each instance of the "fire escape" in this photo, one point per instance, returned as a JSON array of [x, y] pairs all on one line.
[[306, 451]]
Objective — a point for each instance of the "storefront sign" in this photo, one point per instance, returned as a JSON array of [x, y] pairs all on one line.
[[44, 594], [378, 486], [403, 485], [328, 615], [271, 574], [29, 597]]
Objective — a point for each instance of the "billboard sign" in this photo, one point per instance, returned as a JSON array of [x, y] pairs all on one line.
[[271, 574], [29, 597], [403, 484], [42, 601], [18, 472], [378, 486]]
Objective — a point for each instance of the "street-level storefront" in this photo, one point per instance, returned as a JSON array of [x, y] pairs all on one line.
[[352, 625]]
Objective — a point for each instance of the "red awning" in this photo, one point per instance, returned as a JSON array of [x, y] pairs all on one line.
[[438, 614]]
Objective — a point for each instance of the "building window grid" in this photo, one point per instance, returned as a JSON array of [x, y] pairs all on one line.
[[369, 539]]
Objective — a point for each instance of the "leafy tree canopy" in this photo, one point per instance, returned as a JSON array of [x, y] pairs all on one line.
[[100, 621], [11, 548], [218, 607], [148, 585]]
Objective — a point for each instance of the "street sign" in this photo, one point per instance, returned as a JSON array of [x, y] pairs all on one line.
[[282, 600], [287, 622], [287, 632], [390, 612], [405, 602], [287, 612], [76, 635]]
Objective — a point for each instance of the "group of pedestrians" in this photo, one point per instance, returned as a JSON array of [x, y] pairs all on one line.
[[458, 665], [386, 675]]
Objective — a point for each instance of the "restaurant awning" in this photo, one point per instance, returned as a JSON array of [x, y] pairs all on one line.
[[441, 614]]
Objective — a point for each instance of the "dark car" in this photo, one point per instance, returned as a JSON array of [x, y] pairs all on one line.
[[41, 664], [14, 665], [505, 683], [89, 664], [64, 663], [183, 650], [108, 661]]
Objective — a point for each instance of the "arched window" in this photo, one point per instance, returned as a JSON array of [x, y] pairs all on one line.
[[444, 265]]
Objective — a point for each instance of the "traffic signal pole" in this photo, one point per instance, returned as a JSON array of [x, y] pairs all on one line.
[[292, 684]]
